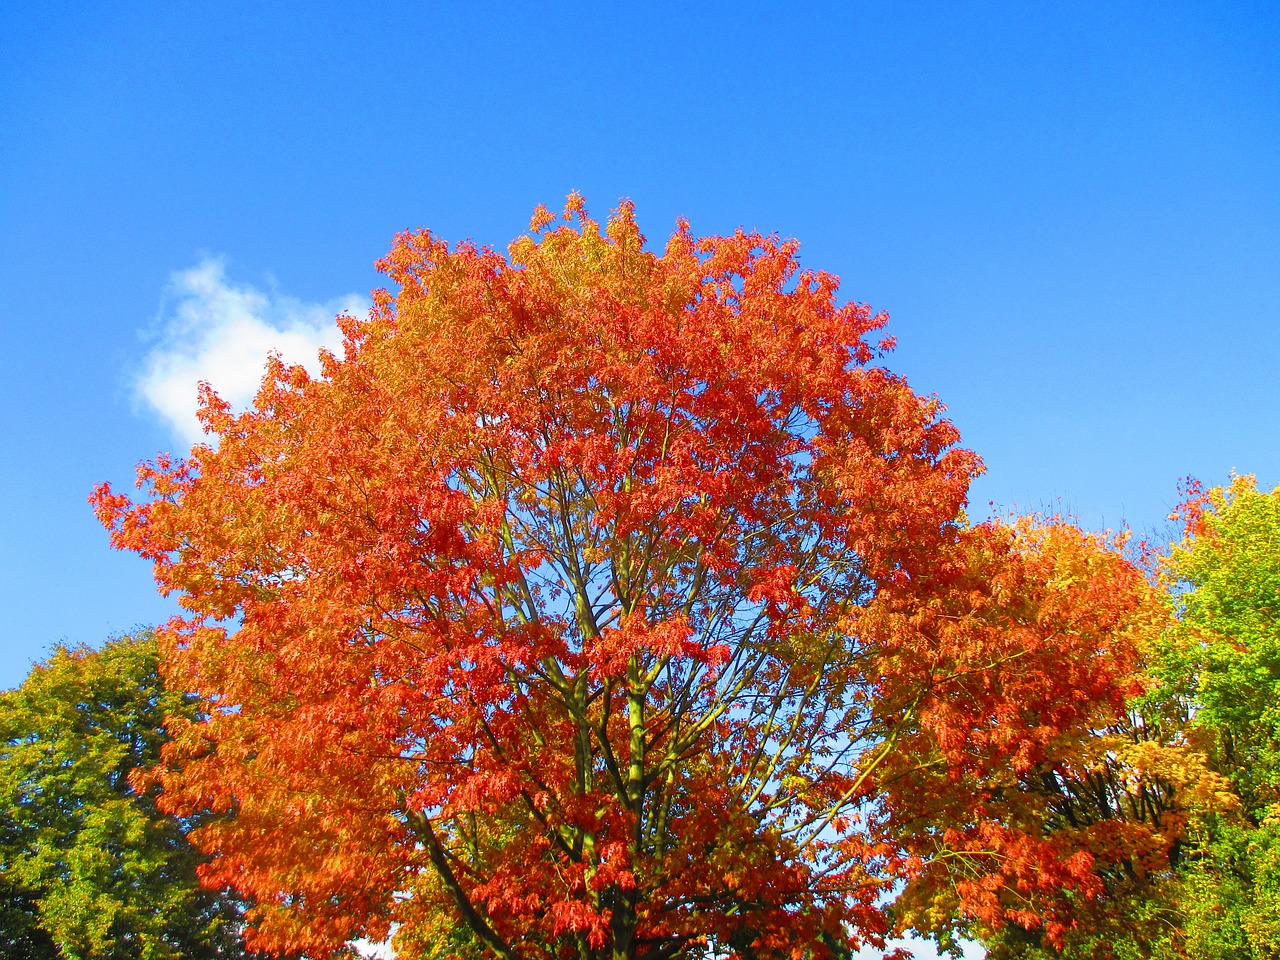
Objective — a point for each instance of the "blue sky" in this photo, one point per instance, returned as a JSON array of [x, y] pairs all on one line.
[[1071, 211]]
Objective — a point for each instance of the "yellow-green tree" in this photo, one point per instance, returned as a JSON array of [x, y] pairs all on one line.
[[88, 866], [1225, 658]]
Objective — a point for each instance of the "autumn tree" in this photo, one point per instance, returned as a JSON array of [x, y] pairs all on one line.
[[88, 867], [1142, 788], [605, 603], [1196, 758]]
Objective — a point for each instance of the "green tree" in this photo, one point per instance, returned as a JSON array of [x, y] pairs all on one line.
[[88, 866], [1227, 574], [1225, 657]]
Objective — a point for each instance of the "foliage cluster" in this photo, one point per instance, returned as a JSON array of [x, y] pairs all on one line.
[[1211, 715], [88, 866]]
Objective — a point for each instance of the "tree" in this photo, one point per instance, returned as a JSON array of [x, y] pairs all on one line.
[[1091, 801], [1225, 658], [600, 603], [1197, 758], [1226, 574], [89, 866], [1144, 788]]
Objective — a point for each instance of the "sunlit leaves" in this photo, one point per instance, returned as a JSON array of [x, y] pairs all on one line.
[[95, 871], [1225, 658]]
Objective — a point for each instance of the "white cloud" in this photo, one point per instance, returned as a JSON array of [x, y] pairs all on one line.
[[216, 331]]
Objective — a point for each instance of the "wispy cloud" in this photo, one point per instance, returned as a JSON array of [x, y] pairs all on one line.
[[219, 332]]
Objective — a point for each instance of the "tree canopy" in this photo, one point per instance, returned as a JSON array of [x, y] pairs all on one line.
[[1225, 659], [605, 603], [89, 867], [1196, 757]]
